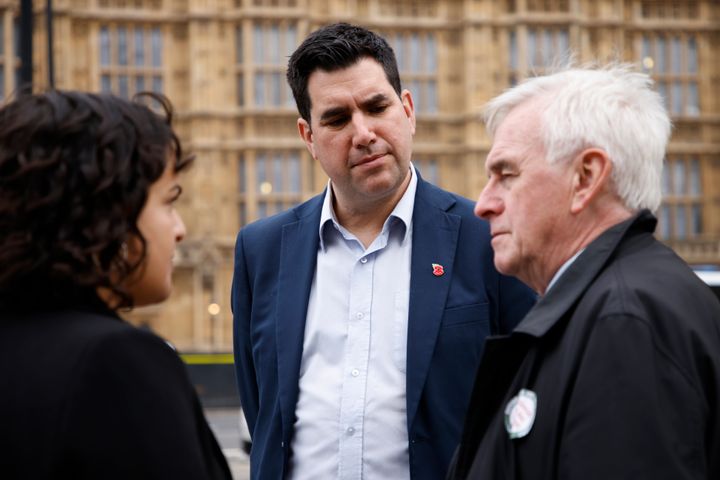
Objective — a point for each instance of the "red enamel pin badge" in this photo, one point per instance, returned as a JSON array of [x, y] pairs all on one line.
[[438, 270]]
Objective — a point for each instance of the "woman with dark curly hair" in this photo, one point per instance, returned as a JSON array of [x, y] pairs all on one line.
[[88, 225]]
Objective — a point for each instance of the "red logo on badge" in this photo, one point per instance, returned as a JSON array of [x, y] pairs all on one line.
[[438, 269]]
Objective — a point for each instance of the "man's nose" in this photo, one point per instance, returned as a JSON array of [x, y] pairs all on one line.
[[488, 203], [363, 131]]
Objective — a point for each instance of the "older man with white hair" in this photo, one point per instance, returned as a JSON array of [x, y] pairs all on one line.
[[615, 373]]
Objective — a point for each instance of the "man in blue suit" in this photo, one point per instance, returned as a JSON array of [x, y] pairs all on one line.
[[360, 315]]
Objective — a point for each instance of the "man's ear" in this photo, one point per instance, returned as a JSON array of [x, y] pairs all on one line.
[[409, 107], [306, 135], [591, 177]]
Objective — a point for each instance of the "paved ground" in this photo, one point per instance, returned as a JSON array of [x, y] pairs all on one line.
[[225, 422]]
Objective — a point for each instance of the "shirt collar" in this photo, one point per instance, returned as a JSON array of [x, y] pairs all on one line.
[[402, 213], [562, 269]]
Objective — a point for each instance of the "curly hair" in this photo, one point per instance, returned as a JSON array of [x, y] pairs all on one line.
[[75, 170]]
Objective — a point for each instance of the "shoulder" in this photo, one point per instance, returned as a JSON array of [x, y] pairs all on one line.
[[125, 364], [70, 353], [75, 329], [646, 278], [650, 288]]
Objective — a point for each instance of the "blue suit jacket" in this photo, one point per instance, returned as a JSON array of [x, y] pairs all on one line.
[[449, 318]]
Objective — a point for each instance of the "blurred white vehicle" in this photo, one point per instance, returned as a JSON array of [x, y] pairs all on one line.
[[711, 278]]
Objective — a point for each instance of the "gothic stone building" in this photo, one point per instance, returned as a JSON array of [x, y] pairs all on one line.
[[222, 62]]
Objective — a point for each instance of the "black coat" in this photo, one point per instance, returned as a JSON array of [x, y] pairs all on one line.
[[623, 355], [84, 395]]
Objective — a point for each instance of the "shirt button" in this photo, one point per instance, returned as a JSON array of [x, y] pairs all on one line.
[[350, 430], [359, 315], [363, 260], [355, 372]]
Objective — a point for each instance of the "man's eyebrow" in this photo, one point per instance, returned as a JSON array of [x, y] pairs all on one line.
[[333, 112], [374, 100]]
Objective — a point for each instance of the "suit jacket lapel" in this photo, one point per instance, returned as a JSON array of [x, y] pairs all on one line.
[[435, 235], [298, 258]]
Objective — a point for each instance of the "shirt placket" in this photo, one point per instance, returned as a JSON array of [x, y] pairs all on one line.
[[357, 354]]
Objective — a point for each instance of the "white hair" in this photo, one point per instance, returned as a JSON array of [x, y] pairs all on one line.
[[614, 109]]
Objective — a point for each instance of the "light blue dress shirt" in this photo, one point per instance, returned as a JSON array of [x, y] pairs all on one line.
[[351, 415]]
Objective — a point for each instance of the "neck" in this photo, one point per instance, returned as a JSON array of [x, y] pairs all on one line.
[[366, 217], [584, 229]]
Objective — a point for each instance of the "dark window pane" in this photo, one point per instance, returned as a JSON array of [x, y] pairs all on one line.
[[243, 214], [239, 45], [432, 97], [274, 44], [241, 90], [260, 166], [665, 225], [547, 48], [675, 55], [262, 209], [105, 84], [258, 43], [531, 48], [692, 56], [677, 99], [276, 88], [696, 220], [139, 83], [290, 40], [692, 107], [122, 46], [415, 54], [241, 174], [695, 181], [2, 83], [294, 177], [278, 184], [513, 51], [563, 44], [429, 170], [123, 87], [680, 222], [645, 54], [2, 38], [414, 87], [289, 99], [156, 46], [431, 54], [666, 184], [399, 51], [679, 184], [139, 47], [259, 89], [661, 54], [104, 46], [157, 84]]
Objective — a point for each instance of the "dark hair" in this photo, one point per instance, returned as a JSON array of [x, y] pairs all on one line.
[[335, 47], [75, 169]]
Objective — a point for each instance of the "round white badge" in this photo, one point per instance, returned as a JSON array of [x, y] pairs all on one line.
[[520, 413]]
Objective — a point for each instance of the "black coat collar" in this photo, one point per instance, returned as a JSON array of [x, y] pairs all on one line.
[[580, 275]]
